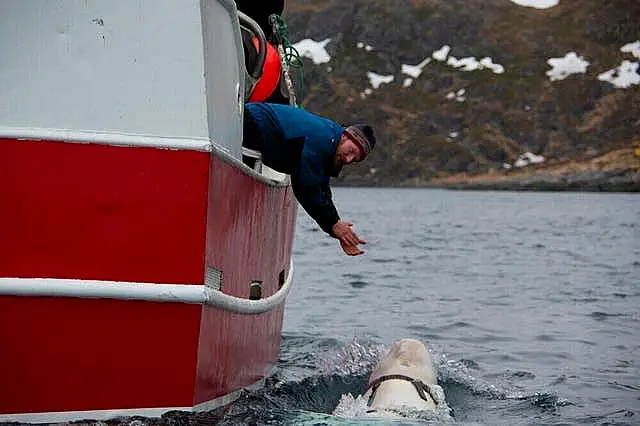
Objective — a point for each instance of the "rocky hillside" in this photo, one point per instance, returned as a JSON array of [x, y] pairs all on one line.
[[450, 125]]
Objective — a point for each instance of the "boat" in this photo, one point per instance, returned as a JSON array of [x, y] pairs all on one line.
[[144, 267]]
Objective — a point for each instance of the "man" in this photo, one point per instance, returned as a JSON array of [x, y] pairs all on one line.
[[311, 149]]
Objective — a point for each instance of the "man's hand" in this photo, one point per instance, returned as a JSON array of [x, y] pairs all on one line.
[[348, 239], [351, 250]]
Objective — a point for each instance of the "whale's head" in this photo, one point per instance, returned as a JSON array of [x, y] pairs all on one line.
[[405, 377], [409, 357]]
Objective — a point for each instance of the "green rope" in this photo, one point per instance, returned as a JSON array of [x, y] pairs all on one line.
[[291, 56]]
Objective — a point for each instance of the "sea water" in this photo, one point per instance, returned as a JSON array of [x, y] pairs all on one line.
[[529, 302]]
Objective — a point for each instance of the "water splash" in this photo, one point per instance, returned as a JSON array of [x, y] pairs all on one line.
[[350, 406], [356, 408], [355, 358]]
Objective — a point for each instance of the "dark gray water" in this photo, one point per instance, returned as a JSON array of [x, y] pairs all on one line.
[[530, 303]]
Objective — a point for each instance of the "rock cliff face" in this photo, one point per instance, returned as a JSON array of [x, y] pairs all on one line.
[[447, 124]]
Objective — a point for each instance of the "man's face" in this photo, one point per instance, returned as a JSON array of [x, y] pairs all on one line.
[[347, 152]]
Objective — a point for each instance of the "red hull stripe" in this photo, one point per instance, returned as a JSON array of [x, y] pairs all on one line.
[[70, 416]]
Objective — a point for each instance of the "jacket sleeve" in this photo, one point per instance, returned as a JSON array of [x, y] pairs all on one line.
[[316, 201]]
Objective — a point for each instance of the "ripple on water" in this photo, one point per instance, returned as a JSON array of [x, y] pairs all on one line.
[[449, 299], [358, 284], [520, 375], [390, 276], [545, 338], [453, 326], [586, 300], [422, 329], [352, 275], [558, 380], [383, 260], [544, 356], [625, 386], [486, 338], [603, 316]]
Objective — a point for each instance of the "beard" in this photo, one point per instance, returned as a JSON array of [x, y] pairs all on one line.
[[336, 166]]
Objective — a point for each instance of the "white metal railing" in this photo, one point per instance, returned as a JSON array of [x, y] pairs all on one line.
[[150, 292], [106, 138]]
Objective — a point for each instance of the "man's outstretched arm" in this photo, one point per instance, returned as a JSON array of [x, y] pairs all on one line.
[[317, 202]]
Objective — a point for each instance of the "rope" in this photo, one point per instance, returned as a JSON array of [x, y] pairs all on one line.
[[290, 57]]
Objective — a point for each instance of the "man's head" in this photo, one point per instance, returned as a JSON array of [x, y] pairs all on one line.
[[357, 141]]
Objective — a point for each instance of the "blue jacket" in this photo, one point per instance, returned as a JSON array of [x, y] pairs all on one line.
[[303, 145]]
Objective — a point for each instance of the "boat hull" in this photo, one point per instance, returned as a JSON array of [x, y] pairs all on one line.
[[104, 213]]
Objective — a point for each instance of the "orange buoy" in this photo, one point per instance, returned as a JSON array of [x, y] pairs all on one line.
[[270, 74]]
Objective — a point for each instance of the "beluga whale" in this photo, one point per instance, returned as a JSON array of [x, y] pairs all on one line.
[[402, 384], [405, 378]]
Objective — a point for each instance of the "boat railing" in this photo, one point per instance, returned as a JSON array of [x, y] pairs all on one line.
[[252, 76], [253, 160], [149, 292]]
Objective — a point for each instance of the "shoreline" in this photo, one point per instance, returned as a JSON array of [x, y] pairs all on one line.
[[615, 171], [603, 182]]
